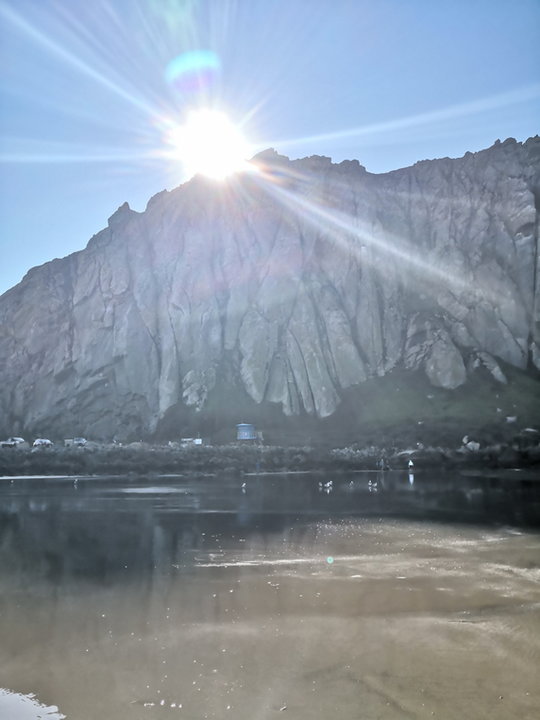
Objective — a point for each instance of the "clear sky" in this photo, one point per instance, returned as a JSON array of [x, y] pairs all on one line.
[[85, 95]]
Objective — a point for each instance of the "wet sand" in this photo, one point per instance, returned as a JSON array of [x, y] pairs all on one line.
[[349, 619]]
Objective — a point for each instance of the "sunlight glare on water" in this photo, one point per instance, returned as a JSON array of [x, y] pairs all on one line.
[[14, 706]]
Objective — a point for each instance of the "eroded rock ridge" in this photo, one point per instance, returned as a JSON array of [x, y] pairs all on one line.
[[291, 284]]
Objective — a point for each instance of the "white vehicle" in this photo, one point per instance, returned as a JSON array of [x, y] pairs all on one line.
[[12, 442], [79, 441], [42, 442]]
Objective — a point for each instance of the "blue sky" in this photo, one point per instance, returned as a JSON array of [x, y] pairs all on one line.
[[83, 94]]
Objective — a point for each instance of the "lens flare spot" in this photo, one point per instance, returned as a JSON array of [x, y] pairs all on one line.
[[329, 559], [193, 71]]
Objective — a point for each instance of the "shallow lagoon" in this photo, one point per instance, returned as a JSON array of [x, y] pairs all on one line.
[[375, 596]]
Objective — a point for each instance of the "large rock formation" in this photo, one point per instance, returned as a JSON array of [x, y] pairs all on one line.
[[289, 285]]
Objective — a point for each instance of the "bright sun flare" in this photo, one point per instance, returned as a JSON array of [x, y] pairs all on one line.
[[209, 144]]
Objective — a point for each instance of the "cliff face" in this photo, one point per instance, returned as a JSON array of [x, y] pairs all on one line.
[[291, 284]]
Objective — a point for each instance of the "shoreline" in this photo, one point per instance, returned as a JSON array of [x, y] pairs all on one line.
[[254, 461]]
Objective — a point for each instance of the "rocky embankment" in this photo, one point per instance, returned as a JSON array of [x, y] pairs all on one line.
[[150, 460]]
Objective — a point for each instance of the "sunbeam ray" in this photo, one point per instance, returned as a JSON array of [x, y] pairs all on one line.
[[58, 158], [531, 92], [436, 273], [25, 150], [339, 225], [25, 27]]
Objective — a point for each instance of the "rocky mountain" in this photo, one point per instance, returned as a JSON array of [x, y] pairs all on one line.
[[279, 294]]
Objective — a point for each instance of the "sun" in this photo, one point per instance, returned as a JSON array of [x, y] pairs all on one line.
[[208, 143]]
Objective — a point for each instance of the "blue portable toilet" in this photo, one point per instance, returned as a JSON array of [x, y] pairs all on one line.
[[245, 431]]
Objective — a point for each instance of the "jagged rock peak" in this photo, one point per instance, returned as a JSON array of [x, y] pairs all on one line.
[[270, 155], [118, 217], [312, 163]]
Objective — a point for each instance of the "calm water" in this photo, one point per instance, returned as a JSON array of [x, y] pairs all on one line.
[[371, 598]]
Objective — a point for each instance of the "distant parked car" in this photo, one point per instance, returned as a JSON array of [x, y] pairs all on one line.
[[12, 442], [42, 442], [78, 441]]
